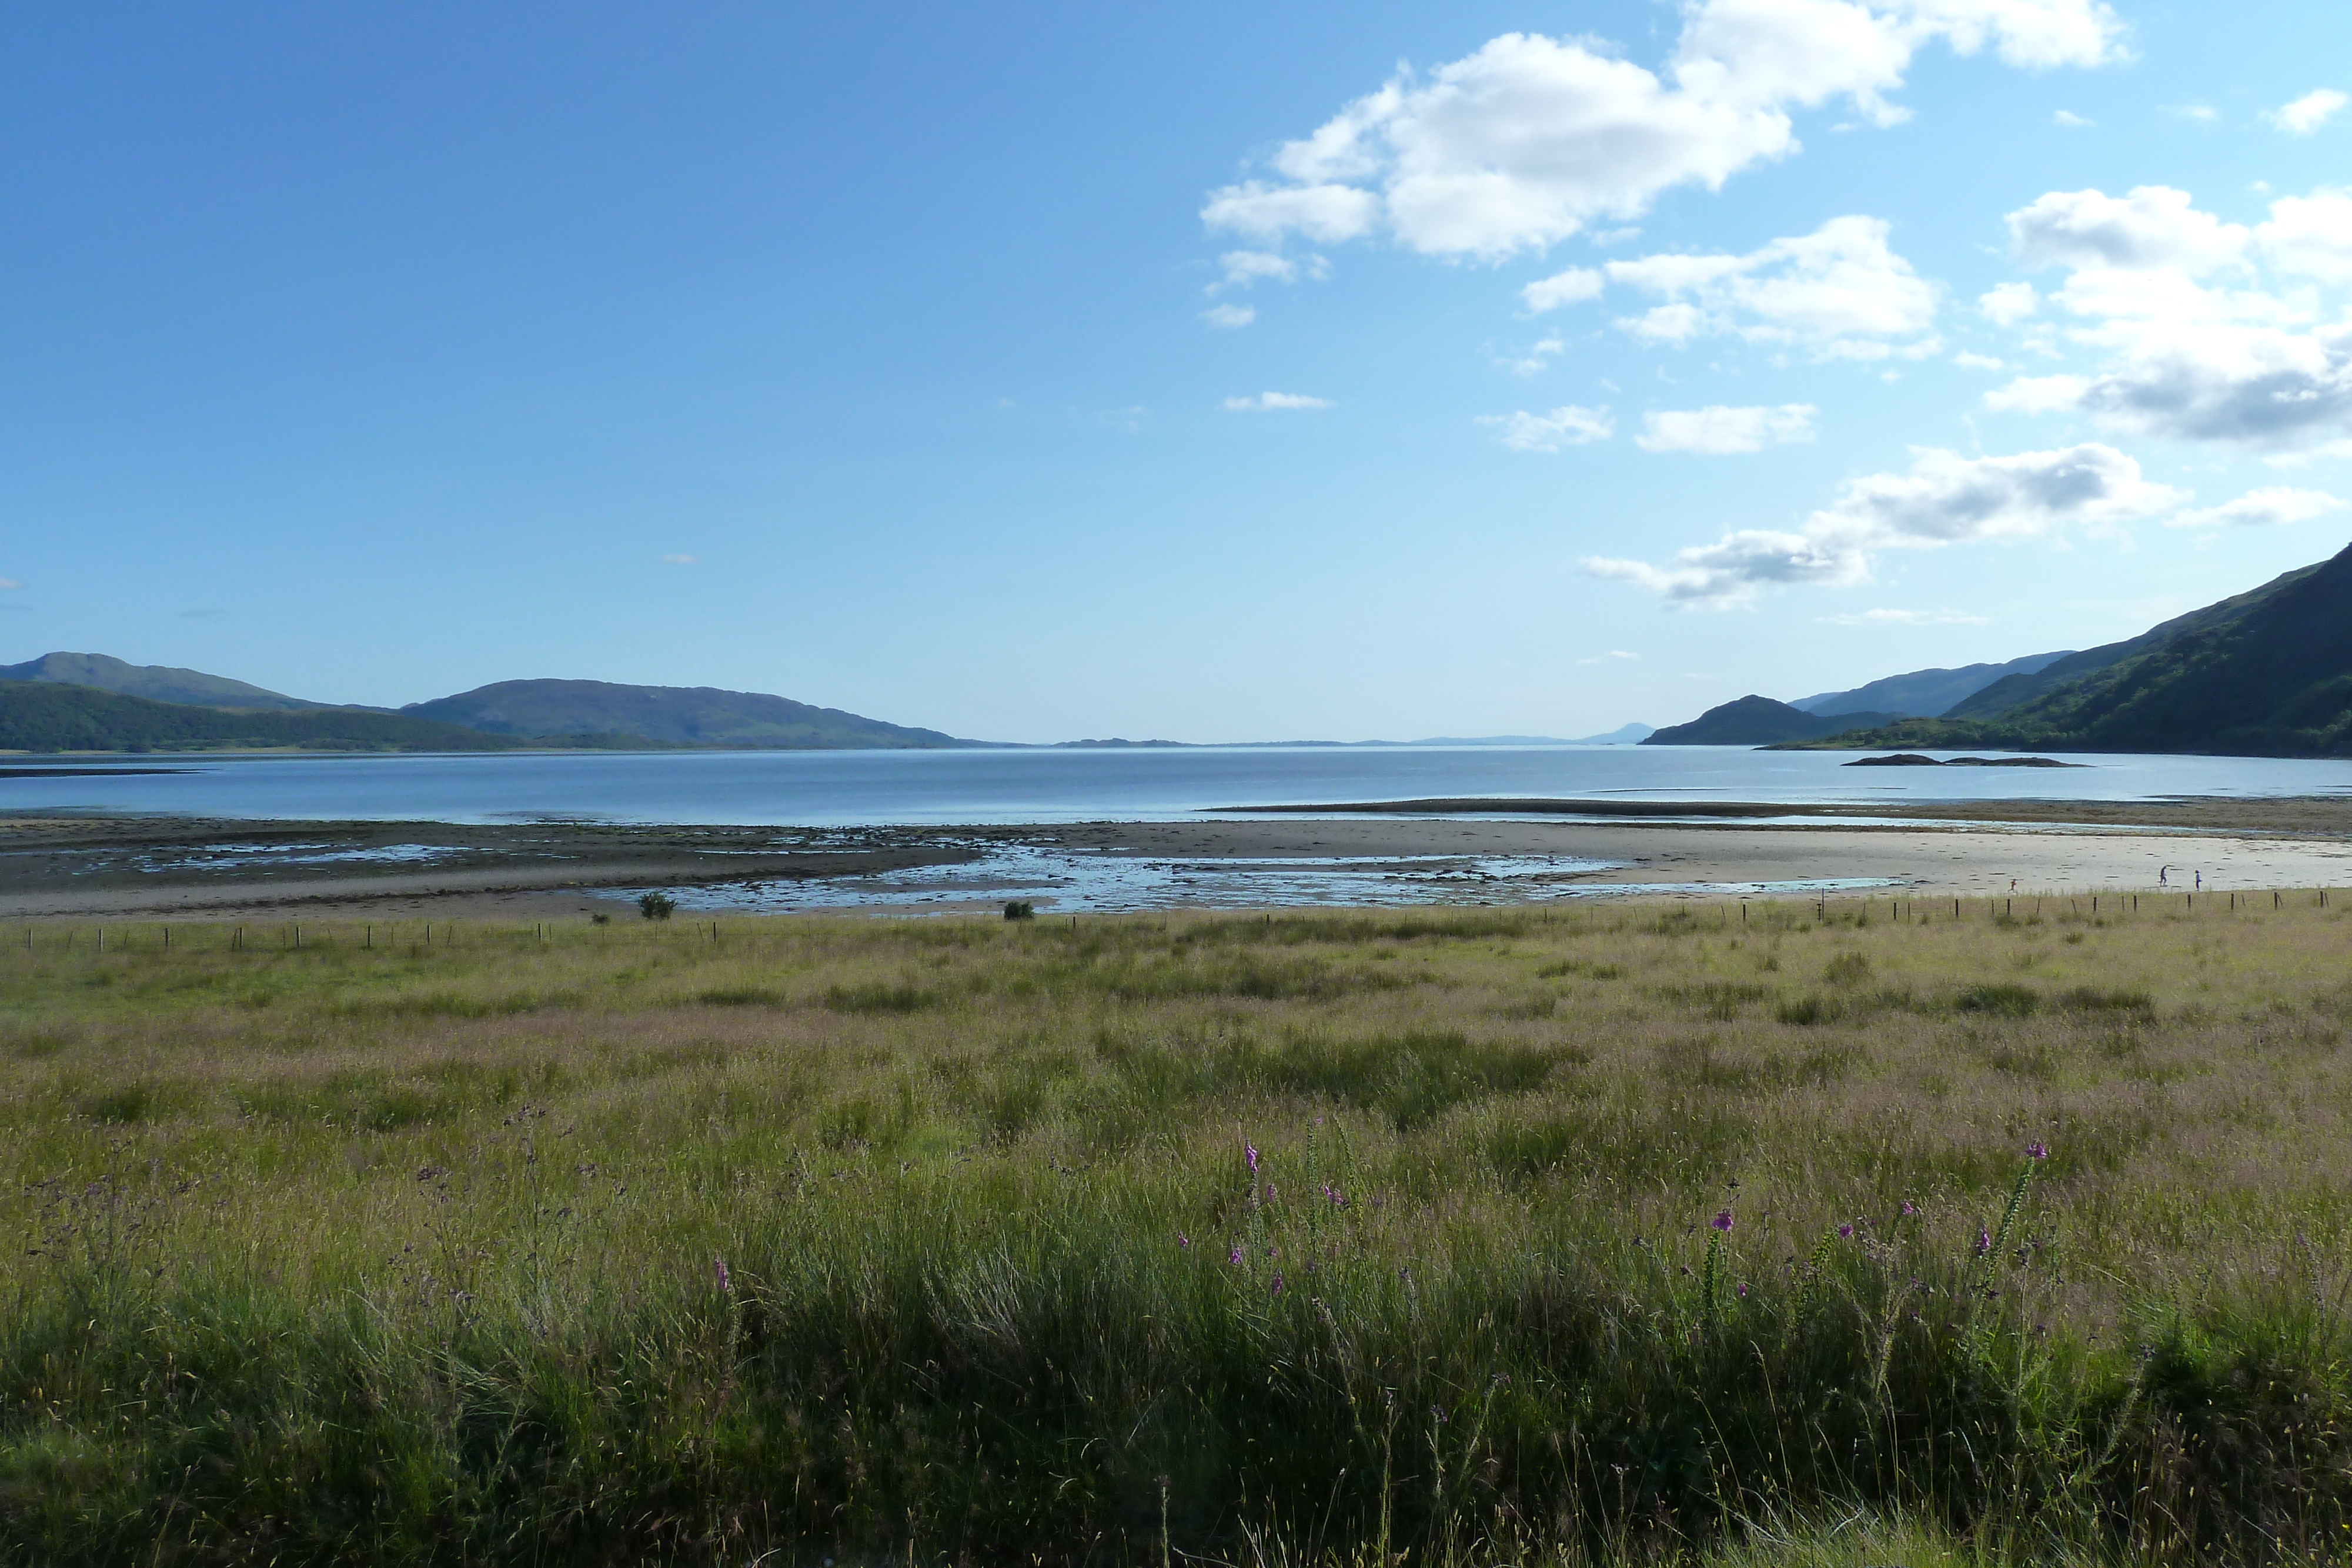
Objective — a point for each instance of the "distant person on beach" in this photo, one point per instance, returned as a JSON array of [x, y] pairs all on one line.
[[2163, 874], [2201, 882]]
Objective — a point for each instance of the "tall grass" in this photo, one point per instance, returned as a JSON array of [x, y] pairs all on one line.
[[1495, 1236]]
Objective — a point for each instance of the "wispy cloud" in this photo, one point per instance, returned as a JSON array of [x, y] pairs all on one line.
[[1274, 402], [1904, 618], [2072, 120], [1944, 499], [1536, 359], [1839, 291], [1612, 656], [1571, 425], [7, 582], [1574, 287], [1229, 317], [1718, 431], [2307, 114], [2269, 507], [681, 560]]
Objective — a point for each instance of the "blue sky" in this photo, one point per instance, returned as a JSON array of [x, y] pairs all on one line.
[[1626, 358]]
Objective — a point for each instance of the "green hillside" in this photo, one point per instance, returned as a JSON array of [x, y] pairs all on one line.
[[156, 682], [40, 716], [676, 715], [2264, 674], [2016, 691]]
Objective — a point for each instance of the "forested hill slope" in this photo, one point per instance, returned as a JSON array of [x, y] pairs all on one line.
[[678, 715], [2266, 673], [41, 716], [1760, 721], [2016, 691]]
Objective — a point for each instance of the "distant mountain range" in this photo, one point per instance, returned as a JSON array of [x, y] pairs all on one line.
[[89, 702], [1925, 694], [2265, 673]]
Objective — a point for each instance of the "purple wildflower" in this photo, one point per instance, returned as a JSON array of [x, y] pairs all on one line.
[[1845, 1232], [1236, 1258], [1183, 1239], [1249, 1153], [1277, 1284], [1269, 1192], [718, 1268], [1722, 1220], [1743, 1293], [2037, 1151], [1910, 1209], [1984, 1242]]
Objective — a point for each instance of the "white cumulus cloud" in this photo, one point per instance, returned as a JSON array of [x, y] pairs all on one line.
[[2310, 236], [1274, 402], [1532, 139], [2261, 508], [1572, 425], [2152, 227], [1243, 267], [1839, 291], [1325, 212], [1230, 316], [1942, 499], [1717, 430], [2007, 304], [2307, 114], [2191, 341]]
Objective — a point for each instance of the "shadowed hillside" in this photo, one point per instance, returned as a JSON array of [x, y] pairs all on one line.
[[2264, 674]]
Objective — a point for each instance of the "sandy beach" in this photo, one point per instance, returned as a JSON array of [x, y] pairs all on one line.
[[56, 867]]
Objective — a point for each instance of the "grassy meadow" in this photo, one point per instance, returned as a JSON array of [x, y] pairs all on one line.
[[1597, 1234]]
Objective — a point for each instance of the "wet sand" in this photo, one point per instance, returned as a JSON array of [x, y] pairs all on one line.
[[97, 866]]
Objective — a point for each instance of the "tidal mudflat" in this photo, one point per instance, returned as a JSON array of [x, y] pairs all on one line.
[[97, 866]]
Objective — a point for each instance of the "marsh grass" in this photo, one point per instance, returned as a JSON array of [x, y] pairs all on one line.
[[1329, 1236]]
